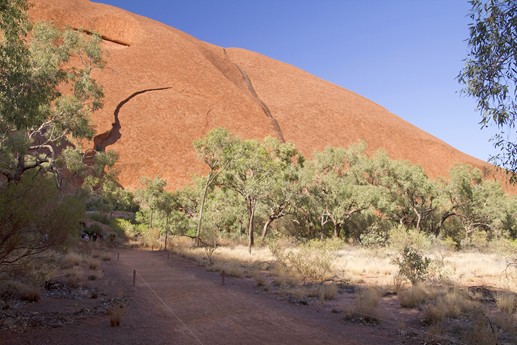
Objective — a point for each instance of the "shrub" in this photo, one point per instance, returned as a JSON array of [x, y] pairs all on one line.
[[12, 289], [451, 304], [100, 217], [124, 228], [366, 306], [412, 265], [400, 238], [328, 291], [413, 297], [309, 264]]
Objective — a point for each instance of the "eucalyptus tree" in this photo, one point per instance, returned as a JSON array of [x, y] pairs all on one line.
[[409, 197], [490, 72], [248, 169], [336, 179], [38, 63], [151, 195], [477, 204], [167, 203], [213, 150], [282, 184]]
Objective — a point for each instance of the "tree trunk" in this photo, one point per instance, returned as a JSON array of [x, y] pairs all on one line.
[[166, 231], [418, 218], [336, 229], [266, 227], [201, 210], [251, 218]]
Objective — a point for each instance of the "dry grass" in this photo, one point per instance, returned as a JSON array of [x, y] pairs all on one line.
[[480, 332], [452, 304], [12, 289], [506, 302], [116, 314], [416, 295], [71, 259], [328, 291], [366, 306]]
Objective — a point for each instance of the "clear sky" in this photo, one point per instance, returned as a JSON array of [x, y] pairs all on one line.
[[401, 54]]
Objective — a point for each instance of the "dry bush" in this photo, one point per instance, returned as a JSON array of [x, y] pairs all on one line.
[[116, 314], [366, 306], [506, 302], [230, 268], [284, 276], [101, 254], [71, 259], [328, 291], [12, 289], [74, 277], [259, 278], [309, 264], [449, 305], [417, 295], [94, 275], [92, 263], [481, 331]]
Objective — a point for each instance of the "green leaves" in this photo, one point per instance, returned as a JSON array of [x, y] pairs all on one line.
[[490, 72], [36, 64]]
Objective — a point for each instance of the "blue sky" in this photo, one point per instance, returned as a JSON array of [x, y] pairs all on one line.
[[401, 54]]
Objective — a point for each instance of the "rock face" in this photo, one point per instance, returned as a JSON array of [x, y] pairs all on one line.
[[164, 89]]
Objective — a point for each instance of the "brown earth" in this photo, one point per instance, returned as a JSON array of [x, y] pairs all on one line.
[[165, 89], [177, 302]]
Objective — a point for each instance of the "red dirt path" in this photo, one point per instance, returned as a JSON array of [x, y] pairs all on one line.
[[168, 291]]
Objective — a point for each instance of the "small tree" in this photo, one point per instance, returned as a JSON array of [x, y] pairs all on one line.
[[213, 151]]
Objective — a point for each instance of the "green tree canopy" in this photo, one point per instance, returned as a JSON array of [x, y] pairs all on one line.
[[37, 63], [490, 72]]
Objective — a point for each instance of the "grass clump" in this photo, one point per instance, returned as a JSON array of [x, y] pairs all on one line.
[[449, 305], [414, 296], [328, 291], [366, 307], [16, 290]]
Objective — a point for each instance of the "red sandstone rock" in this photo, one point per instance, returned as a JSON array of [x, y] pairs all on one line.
[[175, 88]]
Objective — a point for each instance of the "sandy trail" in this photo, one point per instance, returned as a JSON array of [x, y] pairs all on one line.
[[177, 302]]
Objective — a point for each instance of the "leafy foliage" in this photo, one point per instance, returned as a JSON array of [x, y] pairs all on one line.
[[489, 75], [412, 265], [36, 118]]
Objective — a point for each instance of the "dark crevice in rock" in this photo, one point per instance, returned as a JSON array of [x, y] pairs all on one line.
[[245, 77], [104, 38], [110, 137]]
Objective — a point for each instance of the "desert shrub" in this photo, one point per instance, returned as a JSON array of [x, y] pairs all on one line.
[[503, 247], [506, 302], [449, 305], [124, 228], [34, 217], [366, 306], [373, 239], [328, 244], [100, 217], [481, 330], [116, 314], [71, 259], [414, 296], [412, 265], [478, 240], [328, 291], [401, 237], [12, 289], [308, 263]]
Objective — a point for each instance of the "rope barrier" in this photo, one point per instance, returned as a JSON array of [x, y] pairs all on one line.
[[170, 309]]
